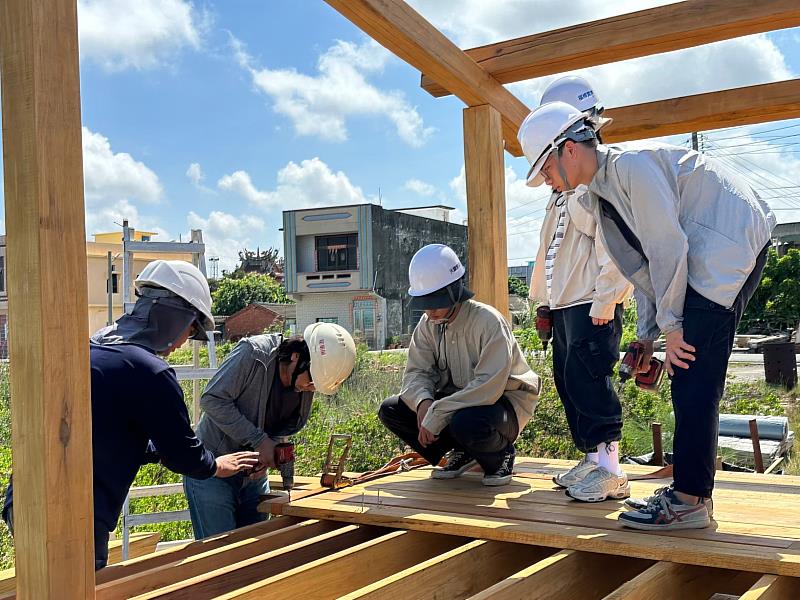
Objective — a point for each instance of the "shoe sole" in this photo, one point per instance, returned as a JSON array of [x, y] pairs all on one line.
[[618, 495], [453, 474], [497, 481], [670, 527]]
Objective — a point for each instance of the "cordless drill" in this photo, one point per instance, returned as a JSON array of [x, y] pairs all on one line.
[[284, 460], [544, 325], [630, 364]]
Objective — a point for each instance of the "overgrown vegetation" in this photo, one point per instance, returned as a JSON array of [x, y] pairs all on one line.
[[232, 294], [776, 303]]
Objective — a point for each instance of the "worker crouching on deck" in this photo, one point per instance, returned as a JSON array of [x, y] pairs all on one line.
[[467, 388]]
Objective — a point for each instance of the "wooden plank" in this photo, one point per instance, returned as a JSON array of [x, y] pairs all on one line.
[[703, 112], [672, 581], [622, 37], [486, 206], [186, 568], [773, 587], [46, 250], [400, 29], [454, 573], [241, 574], [138, 565], [736, 556], [567, 574], [332, 576]]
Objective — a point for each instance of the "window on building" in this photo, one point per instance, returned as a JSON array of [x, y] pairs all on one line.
[[334, 320], [114, 283], [145, 238], [337, 252], [2, 273]]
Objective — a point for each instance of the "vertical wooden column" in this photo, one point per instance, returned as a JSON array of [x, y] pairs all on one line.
[[486, 206], [47, 293]]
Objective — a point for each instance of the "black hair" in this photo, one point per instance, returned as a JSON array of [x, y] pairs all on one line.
[[288, 347]]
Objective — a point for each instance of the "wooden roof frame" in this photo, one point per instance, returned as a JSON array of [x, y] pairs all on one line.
[[44, 209]]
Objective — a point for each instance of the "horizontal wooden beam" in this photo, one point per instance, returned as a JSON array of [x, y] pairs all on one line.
[[642, 33], [703, 112], [400, 29]]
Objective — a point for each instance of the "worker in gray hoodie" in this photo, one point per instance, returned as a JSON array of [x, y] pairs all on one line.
[[467, 388], [692, 238]]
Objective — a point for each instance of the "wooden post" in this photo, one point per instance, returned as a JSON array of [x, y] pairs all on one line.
[[47, 296], [757, 458], [658, 445], [486, 206]]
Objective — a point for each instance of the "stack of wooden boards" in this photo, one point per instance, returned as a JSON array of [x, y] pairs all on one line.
[[406, 536]]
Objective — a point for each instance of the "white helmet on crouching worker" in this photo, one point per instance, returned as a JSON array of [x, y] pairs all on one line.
[[436, 280], [578, 92], [545, 131], [333, 355]]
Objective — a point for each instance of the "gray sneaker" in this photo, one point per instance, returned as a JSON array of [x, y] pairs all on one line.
[[576, 474], [641, 503], [668, 513], [601, 484], [457, 464]]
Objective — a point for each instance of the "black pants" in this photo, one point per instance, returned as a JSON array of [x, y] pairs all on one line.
[[583, 362], [484, 432], [696, 391]]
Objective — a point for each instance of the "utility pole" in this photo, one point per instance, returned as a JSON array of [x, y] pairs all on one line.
[[110, 286], [695, 144]]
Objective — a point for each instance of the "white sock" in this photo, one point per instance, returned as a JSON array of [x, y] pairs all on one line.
[[609, 456], [594, 457]]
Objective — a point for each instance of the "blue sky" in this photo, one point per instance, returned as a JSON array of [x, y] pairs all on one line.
[[219, 115]]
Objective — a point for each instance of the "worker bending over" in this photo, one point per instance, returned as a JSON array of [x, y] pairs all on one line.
[[467, 388], [574, 276], [692, 237], [138, 412], [260, 396]]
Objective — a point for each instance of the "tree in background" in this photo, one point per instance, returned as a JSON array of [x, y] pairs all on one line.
[[517, 286], [234, 293], [776, 303]]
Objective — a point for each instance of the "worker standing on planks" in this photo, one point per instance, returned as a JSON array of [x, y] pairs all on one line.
[[692, 237], [467, 388], [584, 290], [138, 412], [260, 396]]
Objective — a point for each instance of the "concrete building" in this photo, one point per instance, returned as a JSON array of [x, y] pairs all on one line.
[[349, 264], [786, 236], [522, 272]]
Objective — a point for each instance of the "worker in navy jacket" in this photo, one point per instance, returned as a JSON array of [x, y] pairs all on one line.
[[138, 411]]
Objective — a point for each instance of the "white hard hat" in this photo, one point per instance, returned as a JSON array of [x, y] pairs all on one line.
[[546, 128], [573, 90], [432, 268], [182, 279], [333, 355]]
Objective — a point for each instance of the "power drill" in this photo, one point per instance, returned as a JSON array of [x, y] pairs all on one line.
[[284, 460], [630, 365], [544, 325]]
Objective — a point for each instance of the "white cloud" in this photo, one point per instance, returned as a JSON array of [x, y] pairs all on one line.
[[225, 235], [195, 174], [320, 105], [420, 187], [119, 34], [110, 215], [110, 176], [309, 184]]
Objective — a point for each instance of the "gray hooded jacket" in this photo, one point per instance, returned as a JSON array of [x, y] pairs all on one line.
[[235, 401], [699, 225]]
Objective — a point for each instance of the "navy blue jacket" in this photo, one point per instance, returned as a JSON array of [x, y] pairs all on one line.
[[138, 417]]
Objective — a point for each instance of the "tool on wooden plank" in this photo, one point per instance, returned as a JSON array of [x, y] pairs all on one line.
[[333, 472], [631, 363], [284, 460], [544, 325]]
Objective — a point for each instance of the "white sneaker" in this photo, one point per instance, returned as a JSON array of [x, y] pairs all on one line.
[[600, 485], [576, 474]]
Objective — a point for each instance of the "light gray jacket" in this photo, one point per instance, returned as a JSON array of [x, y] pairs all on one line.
[[483, 360], [699, 224], [234, 402]]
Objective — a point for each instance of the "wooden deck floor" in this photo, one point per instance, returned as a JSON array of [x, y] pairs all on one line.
[[756, 522], [405, 537]]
